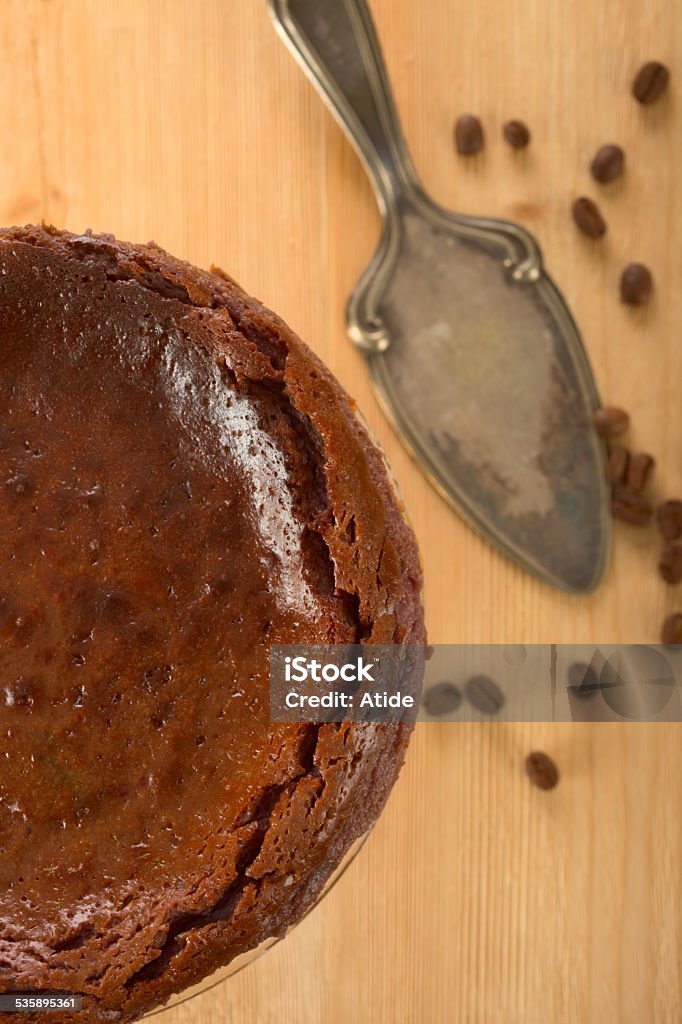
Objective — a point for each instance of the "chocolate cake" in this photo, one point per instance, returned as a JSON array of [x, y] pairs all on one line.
[[182, 484]]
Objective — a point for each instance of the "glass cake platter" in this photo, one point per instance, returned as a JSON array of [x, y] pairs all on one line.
[[240, 962]]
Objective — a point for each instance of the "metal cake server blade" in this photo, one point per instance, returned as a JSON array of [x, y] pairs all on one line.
[[471, 348]]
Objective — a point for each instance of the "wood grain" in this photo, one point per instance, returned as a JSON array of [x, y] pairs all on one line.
[[477, 898]]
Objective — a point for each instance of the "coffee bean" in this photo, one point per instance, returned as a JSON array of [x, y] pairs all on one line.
[[670, 565], [517, 134], [608, 163], [484, 694], [669, 516], [631, 508], [611, 421], [672, 629], [588, 217], [650, 82], [442, 698], [541, 770], [515, 654], [468, 135], [640, 468], [636, 284], [582, 680], [617, 465]]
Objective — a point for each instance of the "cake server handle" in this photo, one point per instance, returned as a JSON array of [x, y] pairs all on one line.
[[337, 46]]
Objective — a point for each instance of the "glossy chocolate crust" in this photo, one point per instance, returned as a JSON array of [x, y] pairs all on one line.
[[182, 483]]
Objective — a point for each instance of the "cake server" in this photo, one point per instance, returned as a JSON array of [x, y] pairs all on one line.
[[471, 348]]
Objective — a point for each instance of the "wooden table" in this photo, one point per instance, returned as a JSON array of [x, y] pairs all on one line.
[[477, 898]]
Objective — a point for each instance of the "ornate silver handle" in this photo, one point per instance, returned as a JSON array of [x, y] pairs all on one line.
[[335, 42]]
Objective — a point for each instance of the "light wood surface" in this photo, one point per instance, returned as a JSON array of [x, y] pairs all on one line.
[[477, 898]]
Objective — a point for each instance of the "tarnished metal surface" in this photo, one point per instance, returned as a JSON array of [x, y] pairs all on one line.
[[471, 348]]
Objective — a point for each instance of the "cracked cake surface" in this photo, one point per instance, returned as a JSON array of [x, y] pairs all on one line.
[[182, 484]]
